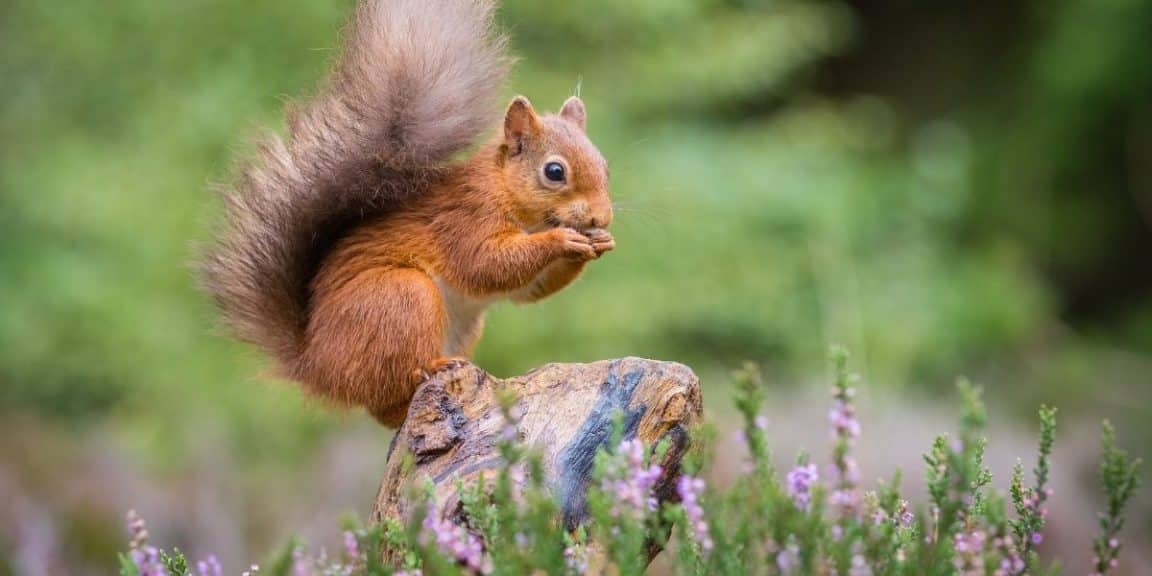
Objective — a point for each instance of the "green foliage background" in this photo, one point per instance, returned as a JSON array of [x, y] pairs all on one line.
[[943, 187]]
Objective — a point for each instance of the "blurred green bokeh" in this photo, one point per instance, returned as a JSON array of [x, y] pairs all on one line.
[[943, 187]]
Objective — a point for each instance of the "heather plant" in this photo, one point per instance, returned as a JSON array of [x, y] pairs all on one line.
[[801, 521], [1118, 475]]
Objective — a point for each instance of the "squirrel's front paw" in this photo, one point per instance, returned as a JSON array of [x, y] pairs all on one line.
[[576, 246], [602, 240]]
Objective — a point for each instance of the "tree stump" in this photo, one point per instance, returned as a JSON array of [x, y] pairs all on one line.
[[567, 413]]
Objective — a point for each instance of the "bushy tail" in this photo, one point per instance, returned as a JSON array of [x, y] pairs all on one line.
[[416, 83]]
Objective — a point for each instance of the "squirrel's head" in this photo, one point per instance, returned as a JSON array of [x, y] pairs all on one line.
[[552, 172]]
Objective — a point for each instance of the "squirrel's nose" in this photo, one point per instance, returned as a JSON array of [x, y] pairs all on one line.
[[601, 215]]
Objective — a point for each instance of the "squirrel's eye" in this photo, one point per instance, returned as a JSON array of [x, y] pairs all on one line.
[[554, 172]]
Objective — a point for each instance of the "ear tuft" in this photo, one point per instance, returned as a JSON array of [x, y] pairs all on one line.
[[574, 112], [520, 122]]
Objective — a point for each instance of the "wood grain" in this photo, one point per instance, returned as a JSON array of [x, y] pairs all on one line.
[[567, 415]]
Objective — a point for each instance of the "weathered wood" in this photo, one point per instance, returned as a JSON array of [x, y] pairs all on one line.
[[567, 414]]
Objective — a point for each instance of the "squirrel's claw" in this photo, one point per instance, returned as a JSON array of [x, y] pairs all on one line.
[[602, 240], [438, 366], [577, 246]]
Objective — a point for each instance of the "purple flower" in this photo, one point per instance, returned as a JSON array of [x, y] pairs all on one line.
[[844, 499], [905, 516], [1034, 501], [630, 482], [788, 560], [761, 422], [144, 556], [800, 481], [137, 529], [1011, 564], [209, 566], [302, 564], [454, 541], [851, 472], [846, 472], [843, 418], [969, 547], [576, 558], [690, 489], [351, 545]]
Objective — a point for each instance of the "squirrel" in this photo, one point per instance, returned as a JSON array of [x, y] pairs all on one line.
[[359, 253]]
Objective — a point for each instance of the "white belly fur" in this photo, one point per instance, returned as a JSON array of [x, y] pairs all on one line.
[[464, 312]]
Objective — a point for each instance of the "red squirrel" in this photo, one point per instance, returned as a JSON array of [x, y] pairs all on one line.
[[359, 253]]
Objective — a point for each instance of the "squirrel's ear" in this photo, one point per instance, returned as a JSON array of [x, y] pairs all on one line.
[[520, 122], [574, 112]]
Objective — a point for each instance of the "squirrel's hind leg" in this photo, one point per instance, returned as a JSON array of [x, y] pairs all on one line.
[[368, 334]]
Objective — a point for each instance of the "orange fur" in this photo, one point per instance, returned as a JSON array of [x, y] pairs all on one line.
[[358, 254], [388, 298]]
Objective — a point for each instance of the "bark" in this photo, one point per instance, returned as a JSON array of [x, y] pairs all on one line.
[[567, 414]]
